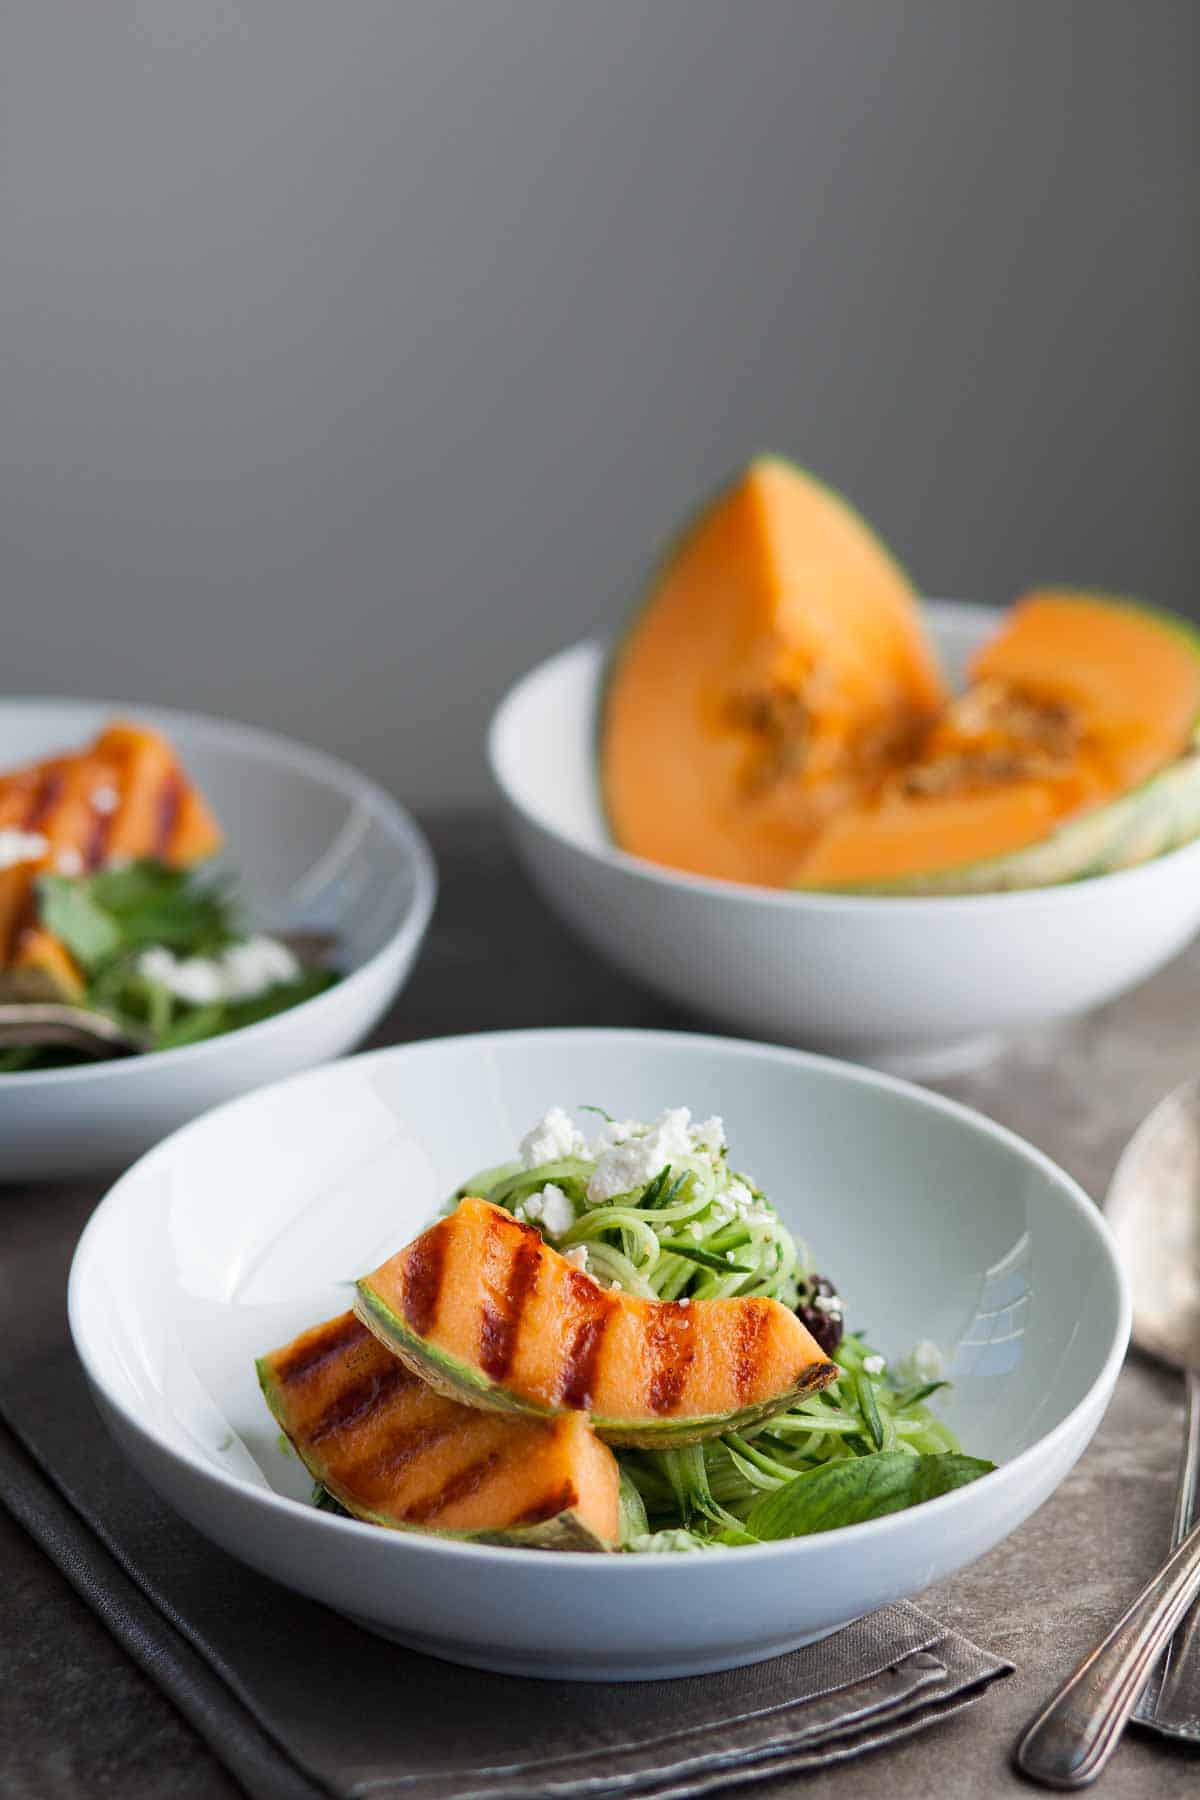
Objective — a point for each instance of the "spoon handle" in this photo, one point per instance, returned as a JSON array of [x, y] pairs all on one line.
[[1070, 1741]]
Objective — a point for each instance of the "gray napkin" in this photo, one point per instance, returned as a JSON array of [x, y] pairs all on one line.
[[298, 1702]]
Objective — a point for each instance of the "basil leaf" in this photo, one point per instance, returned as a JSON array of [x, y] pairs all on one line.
[[851, 1490], [69, 909]]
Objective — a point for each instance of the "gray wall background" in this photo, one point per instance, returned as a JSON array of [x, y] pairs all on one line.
[[354, 355]]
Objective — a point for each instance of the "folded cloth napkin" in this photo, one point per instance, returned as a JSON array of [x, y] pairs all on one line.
[[298, 1702]]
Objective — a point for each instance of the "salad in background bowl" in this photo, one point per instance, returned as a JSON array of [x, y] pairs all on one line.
[[176, 874], [107, 902]]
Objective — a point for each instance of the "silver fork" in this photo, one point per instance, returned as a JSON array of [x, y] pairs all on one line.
[[1168, 1702]]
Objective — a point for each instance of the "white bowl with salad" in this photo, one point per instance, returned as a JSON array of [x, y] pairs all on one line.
[[600, 1354], [230, 906]]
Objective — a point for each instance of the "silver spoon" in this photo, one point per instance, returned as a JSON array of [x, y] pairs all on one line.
[[60, 1025], [1154, 1210]]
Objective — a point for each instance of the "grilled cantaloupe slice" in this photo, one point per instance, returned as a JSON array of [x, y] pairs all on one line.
[[125, 795], [396, 1453], [42, 968], [487, 1312]]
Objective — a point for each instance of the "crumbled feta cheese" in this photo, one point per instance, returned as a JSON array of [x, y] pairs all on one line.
[[196, 979], [830, 1304], [553, 1208], [615, 1287], [739, 1198], [874, 1365], [731, 1256], [552, 1138], [578, 1256], [68, 861], [21, 847], [242, 972], [686, 1301], [709, 1135], [256, 965], [616, 1131], [105, 799], [637, 1160], [924, 1362]]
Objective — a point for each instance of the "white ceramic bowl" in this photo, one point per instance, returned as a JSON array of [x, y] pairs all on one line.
[[247, 1226], [313, 843], [916, 985]]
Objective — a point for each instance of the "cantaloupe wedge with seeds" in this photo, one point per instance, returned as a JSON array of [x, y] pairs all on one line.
[[776, 660], [1072, 753], [393, 1451], [487, 1312]]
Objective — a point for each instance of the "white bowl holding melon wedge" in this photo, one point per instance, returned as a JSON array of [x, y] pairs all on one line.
[[919, 983], [256, 1227], [771, 802]]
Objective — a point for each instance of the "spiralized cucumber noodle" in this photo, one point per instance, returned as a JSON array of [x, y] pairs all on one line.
[[656, 1210]]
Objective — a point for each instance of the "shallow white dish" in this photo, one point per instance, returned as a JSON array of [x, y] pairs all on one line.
[[314, 843], [247, 1226], [917, 985]]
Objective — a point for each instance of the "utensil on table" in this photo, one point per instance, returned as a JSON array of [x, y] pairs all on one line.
[[1154, 1210], [53, 1024]]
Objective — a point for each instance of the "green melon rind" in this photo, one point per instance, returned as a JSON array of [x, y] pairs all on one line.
[[565, 1531], [672, 548], [457, 1380]]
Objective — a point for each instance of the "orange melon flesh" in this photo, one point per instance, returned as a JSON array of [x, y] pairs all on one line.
[[1132, 674], [1121, 686], [778, 654], [487, 1311], [394, 1452], [42, 967], [67, 801]]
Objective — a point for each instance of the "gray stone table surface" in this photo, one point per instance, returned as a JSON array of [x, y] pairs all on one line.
[[78, 1719]]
